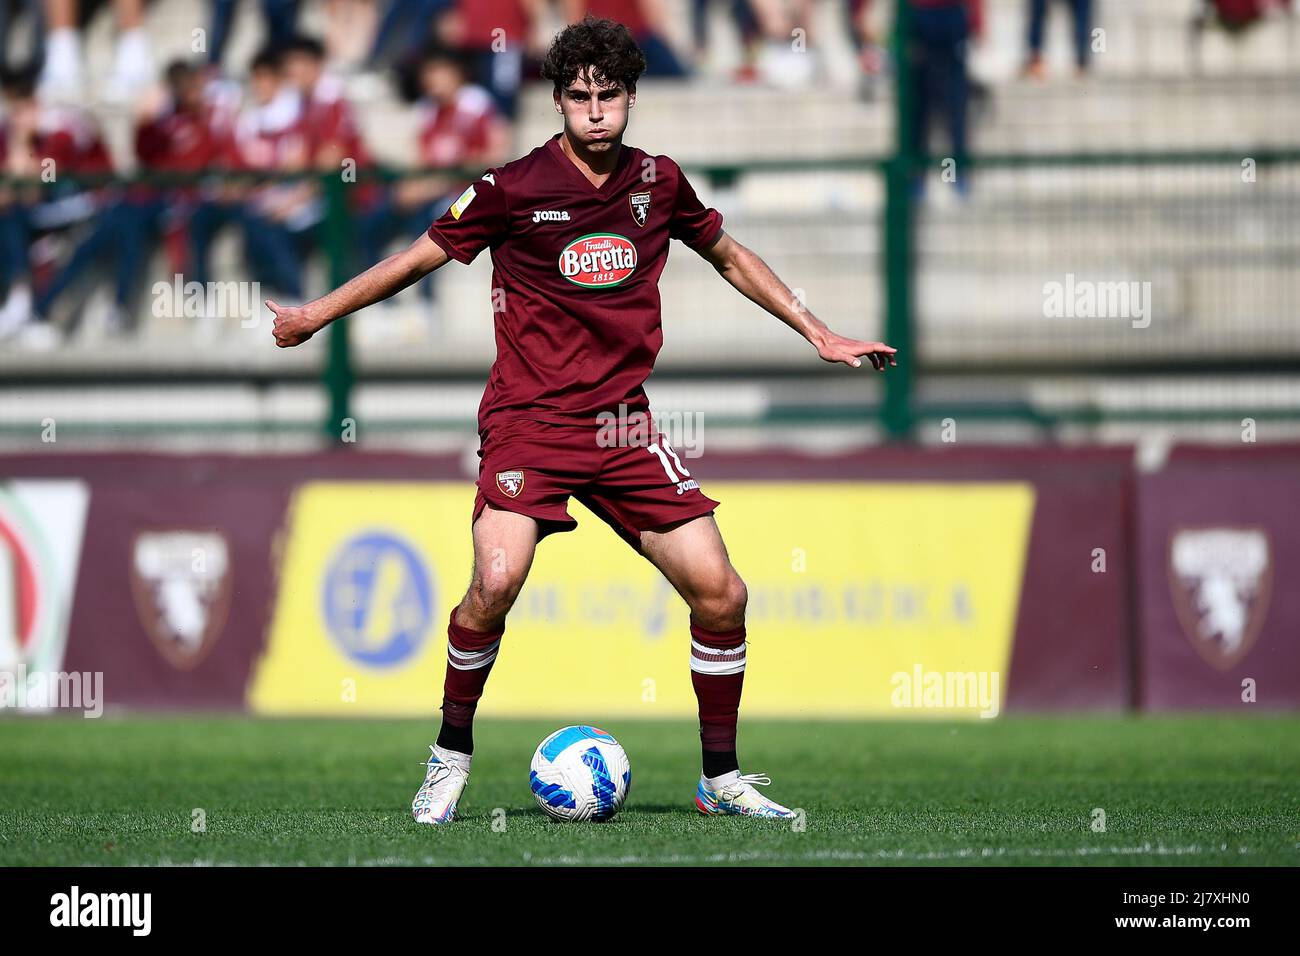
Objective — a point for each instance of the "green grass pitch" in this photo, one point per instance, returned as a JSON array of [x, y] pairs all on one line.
[[1201, 790]]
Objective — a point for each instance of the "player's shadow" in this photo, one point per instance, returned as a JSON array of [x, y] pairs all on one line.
[[535, 813], [661, 808]]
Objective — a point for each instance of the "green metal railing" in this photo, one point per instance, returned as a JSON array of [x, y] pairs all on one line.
[[899, 410]]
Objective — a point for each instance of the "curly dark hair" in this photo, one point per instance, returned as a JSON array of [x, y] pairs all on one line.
[[604, 46]]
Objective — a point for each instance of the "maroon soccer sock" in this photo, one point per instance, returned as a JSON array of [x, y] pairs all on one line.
[[470, 655], [717, 674]]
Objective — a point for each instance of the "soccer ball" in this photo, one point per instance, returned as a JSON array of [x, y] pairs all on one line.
[[580, 773]]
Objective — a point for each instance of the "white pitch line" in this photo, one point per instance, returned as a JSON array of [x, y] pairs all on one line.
[[963, 853]]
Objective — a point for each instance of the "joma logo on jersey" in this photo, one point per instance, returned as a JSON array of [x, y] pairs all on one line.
[[550, 215], [599, 260]]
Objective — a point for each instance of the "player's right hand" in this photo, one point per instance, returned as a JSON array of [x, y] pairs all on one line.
[[292, 325]]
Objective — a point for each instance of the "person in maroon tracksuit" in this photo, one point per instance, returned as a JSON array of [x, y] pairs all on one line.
[[579, 231]]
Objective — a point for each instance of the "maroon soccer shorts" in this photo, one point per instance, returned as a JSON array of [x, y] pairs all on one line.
[[532, 468]]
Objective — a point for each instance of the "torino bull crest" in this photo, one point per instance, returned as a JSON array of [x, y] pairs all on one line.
[[510, 483]]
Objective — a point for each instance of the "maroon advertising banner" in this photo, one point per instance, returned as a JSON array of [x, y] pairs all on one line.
[[178, 577], [177, 568], [1074, 629], [1219, 539], [1164, 591]]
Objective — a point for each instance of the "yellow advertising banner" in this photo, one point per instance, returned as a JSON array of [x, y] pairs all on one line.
[[865, 599]]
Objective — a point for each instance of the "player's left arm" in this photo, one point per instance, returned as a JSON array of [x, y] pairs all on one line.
[[752, 277]]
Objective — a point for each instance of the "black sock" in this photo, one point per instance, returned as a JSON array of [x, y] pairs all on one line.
[[718, 762], [459, 739]]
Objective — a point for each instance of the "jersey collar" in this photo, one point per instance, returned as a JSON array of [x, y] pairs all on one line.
[[607, 189]]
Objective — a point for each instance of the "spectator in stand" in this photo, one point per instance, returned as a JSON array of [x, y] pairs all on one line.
[[174, 134], [269, 135], [25, 16], [51, 146], [281, 17], [1081, 12], [405, 29], [460, 129], [495, 34], [700, 47], [940, 33], [330, 123], [350, 30], [647, 21], [329, 120], [61, 73], [769, 41], [870, 54]]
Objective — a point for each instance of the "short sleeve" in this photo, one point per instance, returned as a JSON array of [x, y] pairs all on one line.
[[475, 220], [692, 222]]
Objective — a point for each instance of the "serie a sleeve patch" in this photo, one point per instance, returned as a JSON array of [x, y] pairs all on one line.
[[461, 204]]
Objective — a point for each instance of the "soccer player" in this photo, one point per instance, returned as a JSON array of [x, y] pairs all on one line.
[[579, 231]]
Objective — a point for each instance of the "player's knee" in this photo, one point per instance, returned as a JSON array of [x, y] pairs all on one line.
[[722, 607], [489, 600]]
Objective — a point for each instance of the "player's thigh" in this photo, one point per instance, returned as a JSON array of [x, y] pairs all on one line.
[[693, 557]]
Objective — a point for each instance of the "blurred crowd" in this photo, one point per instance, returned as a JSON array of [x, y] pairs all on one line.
[[285, 117], [287, 123]]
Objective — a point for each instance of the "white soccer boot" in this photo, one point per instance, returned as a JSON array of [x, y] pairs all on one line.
[[734, 793], [435, 801]]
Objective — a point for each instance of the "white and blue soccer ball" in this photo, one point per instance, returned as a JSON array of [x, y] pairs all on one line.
[[580, 773]]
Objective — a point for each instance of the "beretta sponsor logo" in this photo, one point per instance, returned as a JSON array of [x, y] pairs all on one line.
[[598, 260]]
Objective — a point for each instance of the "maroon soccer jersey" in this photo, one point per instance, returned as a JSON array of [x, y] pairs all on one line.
[[575, 278]]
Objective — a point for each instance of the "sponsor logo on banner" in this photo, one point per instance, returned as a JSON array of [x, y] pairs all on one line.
[[822, 587], [377, 600], [598, 261], [1221, 580], [511, 483], [640, 203], [182, 584], [358, 623], [41, 528]]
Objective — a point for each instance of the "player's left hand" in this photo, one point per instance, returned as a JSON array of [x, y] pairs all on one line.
[[837, 348]]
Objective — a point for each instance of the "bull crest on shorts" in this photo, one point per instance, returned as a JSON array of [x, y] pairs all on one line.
[[510, 483], [1221, 579], [640, 203]]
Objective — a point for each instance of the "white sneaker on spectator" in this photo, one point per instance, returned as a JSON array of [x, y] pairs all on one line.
[[16, 312], [62, 77], [133, 68], [786, 68], [38, 336], [103, 324]]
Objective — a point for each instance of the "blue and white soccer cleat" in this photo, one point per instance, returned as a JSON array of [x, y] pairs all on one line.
[[738, 796], [435, 801]]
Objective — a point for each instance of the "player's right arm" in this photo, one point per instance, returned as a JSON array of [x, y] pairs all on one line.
[[296, 324], [475, 221]]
